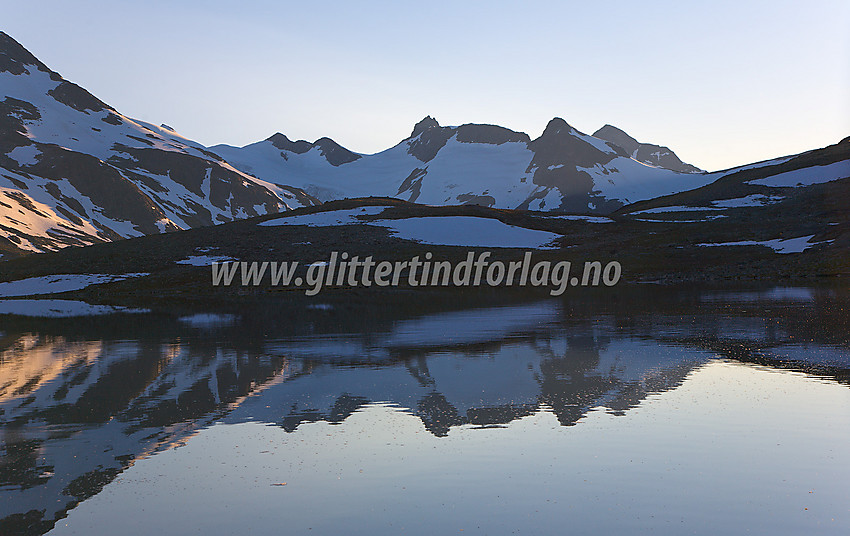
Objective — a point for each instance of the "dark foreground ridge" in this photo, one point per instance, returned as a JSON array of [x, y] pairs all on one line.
[[749, 244]]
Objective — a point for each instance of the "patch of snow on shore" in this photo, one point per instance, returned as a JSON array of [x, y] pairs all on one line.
[[52, 284], [789, 245], [204, 260], [60, 308]]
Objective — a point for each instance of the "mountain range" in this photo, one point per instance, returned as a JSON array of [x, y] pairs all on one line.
[[75, 171], [489, 165]]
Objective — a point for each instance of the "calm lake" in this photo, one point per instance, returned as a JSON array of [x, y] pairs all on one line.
[[653, 411]]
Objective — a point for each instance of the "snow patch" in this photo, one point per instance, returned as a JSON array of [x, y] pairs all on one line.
[[205, 184], [204, 260], [162, 224], [772, 162], [52, 284], [679, 208], [325, 219], [779, 294], [25, 156], [208, 321], [438, 230], [699, 220], [579, 217], [755, 200], [806, 176], [60, 308], [788, 245]]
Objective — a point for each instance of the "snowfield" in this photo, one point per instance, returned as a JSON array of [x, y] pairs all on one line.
[[470, 231]]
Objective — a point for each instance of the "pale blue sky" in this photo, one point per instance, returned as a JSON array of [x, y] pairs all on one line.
[[722, 83]]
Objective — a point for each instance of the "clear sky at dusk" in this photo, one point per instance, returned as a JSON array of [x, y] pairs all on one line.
[[722, 83]]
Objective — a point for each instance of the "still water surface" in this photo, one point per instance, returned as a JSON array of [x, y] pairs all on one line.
[[690, 413]]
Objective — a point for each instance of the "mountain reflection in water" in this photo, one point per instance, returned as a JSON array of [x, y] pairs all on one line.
[[81, 400]]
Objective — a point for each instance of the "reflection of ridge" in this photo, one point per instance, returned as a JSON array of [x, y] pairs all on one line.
[[438, 414], [633, 393], [450, 332], [490, 385], [343, 407], [29, 361], [78, 409], [418, 368], [499, 415], [20, 466], [571, 385], [96, 407], [828, 366]]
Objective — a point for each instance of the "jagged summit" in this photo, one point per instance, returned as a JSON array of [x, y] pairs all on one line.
[[285, 144], [429, 138], [562, 169], [557, 126], [648, 153], [617, 136], [426, 123], [335, 153]]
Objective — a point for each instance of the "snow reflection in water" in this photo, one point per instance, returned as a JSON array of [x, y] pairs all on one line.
[[527, 418]]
